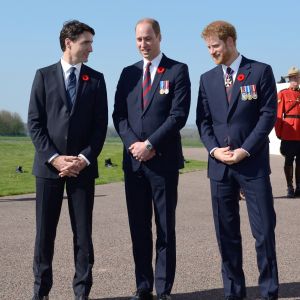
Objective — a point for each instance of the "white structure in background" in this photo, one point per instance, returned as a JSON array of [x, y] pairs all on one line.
[[274, 141]]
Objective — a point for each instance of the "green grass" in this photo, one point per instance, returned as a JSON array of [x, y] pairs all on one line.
[[19, 151]]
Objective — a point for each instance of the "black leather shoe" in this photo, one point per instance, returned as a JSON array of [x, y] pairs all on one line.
[[163, 297], [142, 295], [82, 297], [270, 298]]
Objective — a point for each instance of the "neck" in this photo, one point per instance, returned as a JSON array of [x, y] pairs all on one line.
[[232, 58], [68, 58]]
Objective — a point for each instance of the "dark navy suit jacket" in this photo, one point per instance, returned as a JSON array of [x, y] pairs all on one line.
[[55, 128], [162, 119], [240, 124]]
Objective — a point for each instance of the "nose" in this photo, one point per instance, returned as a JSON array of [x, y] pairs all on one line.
[[91, 49], [143, 43], [211, 50]]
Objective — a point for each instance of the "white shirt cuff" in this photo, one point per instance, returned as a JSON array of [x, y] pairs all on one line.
[[52, 157], [86, 160]]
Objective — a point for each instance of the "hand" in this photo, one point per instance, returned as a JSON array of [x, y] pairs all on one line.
[[63, 161], [74, 169], [140, 152], [223, 154], [237, 156]]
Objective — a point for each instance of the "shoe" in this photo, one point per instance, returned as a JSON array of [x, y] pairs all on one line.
[[82, 297], [290, 192], [297, 192], [269, 298], [164, 297], [234, 298], [142, 295], [36, 297]]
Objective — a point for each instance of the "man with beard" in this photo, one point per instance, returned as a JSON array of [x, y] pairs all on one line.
[[235, 113]]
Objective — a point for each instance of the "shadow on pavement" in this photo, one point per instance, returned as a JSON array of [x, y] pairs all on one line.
[[16, 199], [287, 290]]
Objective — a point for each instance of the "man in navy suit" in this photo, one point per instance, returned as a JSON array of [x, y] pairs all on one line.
[[67, 121], [152, 103], [235, 113]]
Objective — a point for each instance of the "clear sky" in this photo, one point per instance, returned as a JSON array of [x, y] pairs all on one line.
[[267, 31]]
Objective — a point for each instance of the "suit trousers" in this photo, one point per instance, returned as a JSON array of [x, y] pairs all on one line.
[[260, 206], [146, 191], [49, 197]]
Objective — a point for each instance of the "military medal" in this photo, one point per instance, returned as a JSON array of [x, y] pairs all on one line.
[[254, 93], [164, 87], [249, 96], [161, 87], [243, 93]]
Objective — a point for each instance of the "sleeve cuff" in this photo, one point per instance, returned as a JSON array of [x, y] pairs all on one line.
[[86, 160], [52, 157]]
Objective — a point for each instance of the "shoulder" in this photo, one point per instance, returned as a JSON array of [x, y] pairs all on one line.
[[172, 63], [47, 69], [91, 72], [256, 65]]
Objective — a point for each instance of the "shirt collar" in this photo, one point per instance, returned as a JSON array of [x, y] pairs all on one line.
[[154, 62], [67, 67], [234, 66]]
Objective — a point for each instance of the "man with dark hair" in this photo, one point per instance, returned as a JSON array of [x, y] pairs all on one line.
[[67, 121], [151, 106], [235, 113]]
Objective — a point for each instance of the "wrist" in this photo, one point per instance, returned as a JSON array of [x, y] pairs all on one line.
[[148, 145]]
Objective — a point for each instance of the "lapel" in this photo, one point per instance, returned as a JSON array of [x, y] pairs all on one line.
[[81, 86], [245, 69], [61, 84], [157, 79], [219, 88], [139, 89]]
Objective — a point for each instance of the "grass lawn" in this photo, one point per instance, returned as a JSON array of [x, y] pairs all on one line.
[[19, 151]]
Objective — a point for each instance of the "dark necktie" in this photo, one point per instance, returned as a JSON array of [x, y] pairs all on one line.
[[229, 83], [146, 85], [71, 87]]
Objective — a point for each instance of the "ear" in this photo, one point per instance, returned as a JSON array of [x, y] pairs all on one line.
[[230, 41], [160, 37], [68, 43]]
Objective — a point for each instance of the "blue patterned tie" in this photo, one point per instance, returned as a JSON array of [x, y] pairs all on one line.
[[71, 87]]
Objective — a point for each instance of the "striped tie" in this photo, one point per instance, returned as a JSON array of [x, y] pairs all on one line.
[[146, 85], [71, 87], [228, 83]]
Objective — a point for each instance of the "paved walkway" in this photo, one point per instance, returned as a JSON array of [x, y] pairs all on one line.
[[198, 268]]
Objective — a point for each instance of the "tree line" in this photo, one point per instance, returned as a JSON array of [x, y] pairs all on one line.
[[11, 124]]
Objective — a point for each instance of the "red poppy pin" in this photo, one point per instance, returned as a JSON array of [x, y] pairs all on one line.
[[241, 77], [160, 70], [85, 77]]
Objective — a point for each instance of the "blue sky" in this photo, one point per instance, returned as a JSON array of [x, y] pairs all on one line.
[[267, 31]]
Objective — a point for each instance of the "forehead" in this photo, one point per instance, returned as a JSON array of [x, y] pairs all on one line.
[[85, 37], [144, 29], [213, 40]]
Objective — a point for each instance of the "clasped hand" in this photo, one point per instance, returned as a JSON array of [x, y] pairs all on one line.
[[140, 152], [229, 157], [69, 166]]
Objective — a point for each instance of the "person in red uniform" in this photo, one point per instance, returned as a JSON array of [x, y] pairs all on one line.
[[287, 129]]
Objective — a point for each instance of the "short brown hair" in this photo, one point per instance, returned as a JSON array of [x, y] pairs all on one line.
[[222, 29], [152, 22], [72, 29]]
